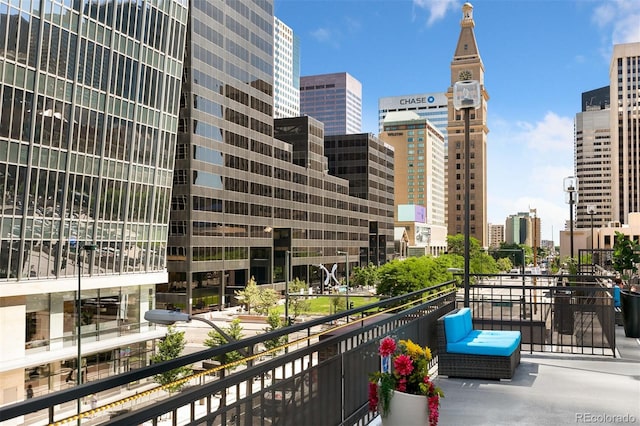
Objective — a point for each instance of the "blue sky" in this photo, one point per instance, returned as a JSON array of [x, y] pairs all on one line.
[[539, 56]]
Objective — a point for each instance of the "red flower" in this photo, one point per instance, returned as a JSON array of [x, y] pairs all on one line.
[[408, 372], [402, 385], [434, 404], [373, 396], [403, 365], [387, 346]]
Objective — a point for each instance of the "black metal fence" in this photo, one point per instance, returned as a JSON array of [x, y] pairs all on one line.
[[320, 377], [567, 314]]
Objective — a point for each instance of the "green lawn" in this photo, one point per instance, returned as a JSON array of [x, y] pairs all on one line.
[[321, 305]]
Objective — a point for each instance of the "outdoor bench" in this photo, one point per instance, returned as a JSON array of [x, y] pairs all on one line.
[[484, 354]]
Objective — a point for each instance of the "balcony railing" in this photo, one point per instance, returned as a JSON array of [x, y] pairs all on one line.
[[320, 377]]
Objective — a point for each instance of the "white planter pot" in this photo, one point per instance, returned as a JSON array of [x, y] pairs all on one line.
[[407, 410]]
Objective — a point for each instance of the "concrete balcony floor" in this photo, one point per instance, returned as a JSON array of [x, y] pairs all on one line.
[[550, 389]]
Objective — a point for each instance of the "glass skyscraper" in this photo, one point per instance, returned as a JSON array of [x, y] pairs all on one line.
[[335, 100], [88, 122]]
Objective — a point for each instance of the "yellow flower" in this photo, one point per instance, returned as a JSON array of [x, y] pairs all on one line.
[[413, 350], [427, 353]]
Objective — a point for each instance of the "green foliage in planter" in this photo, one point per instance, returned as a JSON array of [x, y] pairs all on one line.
[[626, 255]]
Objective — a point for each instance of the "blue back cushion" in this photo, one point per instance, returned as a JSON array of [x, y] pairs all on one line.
[[616, 296], [457, 325]]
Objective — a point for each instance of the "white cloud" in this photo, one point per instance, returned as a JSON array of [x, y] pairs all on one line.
[[553, 133], [437, 9], [627, 29], [352, 25], [321, 34], [622, 17], [532, 159]]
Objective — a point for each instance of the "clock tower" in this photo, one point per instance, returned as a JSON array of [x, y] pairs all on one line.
[[467, 65]]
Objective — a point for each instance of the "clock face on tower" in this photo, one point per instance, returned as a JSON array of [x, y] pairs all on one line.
[[464, 75]]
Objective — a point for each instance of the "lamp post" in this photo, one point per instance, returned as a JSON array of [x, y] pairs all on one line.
[[346, 266], [167, 317], [535, 256], [88, 248], [287, 255], [522, 269], [466, 95], [591, 209], [571, 190]]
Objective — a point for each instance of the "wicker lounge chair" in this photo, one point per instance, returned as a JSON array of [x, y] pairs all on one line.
[[472, 365]]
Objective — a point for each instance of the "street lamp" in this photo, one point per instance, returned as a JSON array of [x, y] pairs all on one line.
[[466, 95], [287, 260], [167, 317], [535, 256], [591, 210], [571, 189], [346, 262], [88, 248]]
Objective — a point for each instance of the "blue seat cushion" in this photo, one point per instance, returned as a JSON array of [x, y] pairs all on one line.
[[487, 342], [457, 324]]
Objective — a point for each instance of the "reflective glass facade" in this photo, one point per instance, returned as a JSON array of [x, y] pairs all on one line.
[[89, 102], [90, 96], [334, 99]]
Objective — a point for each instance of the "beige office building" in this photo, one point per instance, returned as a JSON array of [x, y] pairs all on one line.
[[593, 160], [419, 202], [496, 235], [467, 65], [624, 78]]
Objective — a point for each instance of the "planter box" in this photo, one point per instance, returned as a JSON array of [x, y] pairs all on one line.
[[630, 306]]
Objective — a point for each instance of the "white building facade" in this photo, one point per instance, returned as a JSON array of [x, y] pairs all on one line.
[[419, 178], [431, 106], [286, 71]]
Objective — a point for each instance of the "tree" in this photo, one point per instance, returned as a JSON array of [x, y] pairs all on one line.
[[250, 296], [298, 304], [415, 273], [455, 245], [504, 264], [482, 263], [215, 339], [169, 348], [274, 322], [338, 304], [365, 276], [267, 299]]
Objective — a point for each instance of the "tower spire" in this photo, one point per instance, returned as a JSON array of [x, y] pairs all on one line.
[[467, 47], [467, 15]]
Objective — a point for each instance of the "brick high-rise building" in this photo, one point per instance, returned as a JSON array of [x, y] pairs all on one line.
[[467, 65]]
